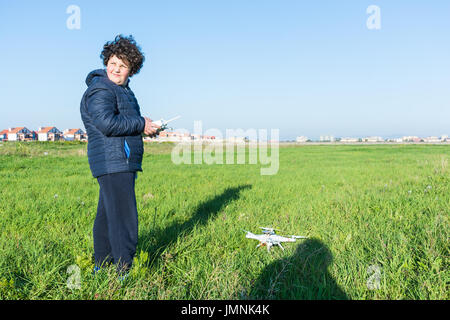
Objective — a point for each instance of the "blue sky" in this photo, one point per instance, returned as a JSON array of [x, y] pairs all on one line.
[[304, 67]]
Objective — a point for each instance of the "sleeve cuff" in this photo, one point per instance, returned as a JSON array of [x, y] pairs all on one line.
[[143, 125]]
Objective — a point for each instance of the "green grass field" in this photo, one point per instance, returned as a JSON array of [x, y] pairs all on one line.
[[377, 218]]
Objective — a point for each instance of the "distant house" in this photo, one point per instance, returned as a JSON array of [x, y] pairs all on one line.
[[327, 139], [411, 139], [432, 139], [31, 136], [4, 135], [209, 138], [301, 139], [196, 136], [19, 134], [167, 134], [396, 140], [49, 134], [74, 134], [173, 136], [373, 139]]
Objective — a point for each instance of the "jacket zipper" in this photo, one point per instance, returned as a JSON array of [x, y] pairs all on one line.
[[126, 149]]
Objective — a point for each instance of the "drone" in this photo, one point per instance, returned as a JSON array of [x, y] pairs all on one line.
[[269, 238], [164, 124]]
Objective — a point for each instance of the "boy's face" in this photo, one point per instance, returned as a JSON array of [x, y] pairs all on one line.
[[117, 70]]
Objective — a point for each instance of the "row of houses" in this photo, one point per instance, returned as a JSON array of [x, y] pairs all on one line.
[[180, 137], [443, 138], [54, 134], [42, 134]]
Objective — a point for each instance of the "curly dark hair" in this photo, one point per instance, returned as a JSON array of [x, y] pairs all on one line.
[[124, 48]]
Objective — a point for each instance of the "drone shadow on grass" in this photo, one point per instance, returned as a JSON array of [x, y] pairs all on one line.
[[156, 240], [302, 276]]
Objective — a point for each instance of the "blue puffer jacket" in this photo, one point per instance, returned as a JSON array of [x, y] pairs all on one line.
[[113, 123]]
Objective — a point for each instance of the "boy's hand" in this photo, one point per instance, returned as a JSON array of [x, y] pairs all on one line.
[[150, 128]]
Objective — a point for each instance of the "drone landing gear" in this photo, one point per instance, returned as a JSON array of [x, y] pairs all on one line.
[[269, 245]]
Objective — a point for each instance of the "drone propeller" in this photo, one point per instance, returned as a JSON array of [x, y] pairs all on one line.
[[269, 229]]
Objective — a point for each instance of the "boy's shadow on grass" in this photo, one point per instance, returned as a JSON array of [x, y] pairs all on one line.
[[302, 276], [155, 240]]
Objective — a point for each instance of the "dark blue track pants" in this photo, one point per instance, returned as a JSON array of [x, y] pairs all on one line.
[[116, 224]]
